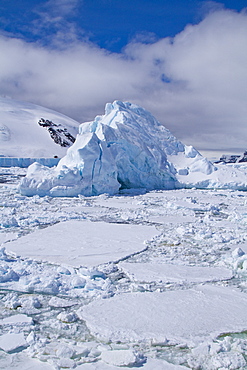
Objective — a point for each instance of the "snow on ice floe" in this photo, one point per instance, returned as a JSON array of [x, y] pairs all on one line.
[[181, 316], [118, 359], [11, 342], [83, 243], [18, 319], [150, 364], [20, 361], [22, 136], [4, 237], [157, 272]]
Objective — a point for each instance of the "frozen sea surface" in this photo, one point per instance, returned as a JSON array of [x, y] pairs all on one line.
[[140, 280], [160, 272], [83, 243], [179, 316]]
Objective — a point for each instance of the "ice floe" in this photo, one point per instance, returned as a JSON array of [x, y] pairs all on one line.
[[177, 316], [11, 342], [151, 364], [21, 361], [83, 243], [19, 319], [157, 272]]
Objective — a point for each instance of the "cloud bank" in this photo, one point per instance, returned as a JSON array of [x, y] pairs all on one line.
[[194, 83]]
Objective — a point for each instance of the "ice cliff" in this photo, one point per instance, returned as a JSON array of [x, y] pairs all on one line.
[[27, 161], [123, 149]]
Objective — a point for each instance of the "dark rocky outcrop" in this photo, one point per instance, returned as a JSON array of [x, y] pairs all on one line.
[[233, 158], [58, 133]]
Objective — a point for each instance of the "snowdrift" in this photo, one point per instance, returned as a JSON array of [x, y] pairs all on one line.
[[127, 148], [32, 131]]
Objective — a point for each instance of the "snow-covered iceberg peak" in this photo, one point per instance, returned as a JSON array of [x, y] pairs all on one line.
[[134, 124], [124, 148], [137, 143]]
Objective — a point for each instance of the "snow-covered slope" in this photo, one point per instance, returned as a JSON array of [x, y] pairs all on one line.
[[24, 130], [127, 148]]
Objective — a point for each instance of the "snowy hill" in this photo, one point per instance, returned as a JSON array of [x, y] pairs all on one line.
[[22, 133], [123, 149]]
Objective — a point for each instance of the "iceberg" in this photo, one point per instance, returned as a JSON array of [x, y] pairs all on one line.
[[127, 148], [123, 149]]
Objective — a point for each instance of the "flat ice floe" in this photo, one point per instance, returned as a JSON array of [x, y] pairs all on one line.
[[11, 342], [157, 272], [151, 364], [17, 320], [4, 238], [182, 316], [83, 243], [22, 362]]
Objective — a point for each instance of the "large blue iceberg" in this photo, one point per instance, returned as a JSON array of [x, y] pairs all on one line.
[[125, 148]]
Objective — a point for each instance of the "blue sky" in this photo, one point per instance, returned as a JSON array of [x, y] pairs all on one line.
[[111, 24], [183, 60]]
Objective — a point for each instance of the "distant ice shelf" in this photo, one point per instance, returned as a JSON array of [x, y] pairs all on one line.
[[26, 162]]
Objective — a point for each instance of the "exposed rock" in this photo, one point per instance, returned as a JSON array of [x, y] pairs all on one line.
[[58, 133]]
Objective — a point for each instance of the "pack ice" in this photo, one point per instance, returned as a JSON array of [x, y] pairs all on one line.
[[79, 289], [125, 148]]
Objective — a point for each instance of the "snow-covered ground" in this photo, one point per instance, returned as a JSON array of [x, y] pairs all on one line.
[[153, 281], [25, 132]]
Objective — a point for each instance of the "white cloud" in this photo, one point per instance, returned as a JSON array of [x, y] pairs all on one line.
[[54, 23], [195, 83], [57, 10]]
